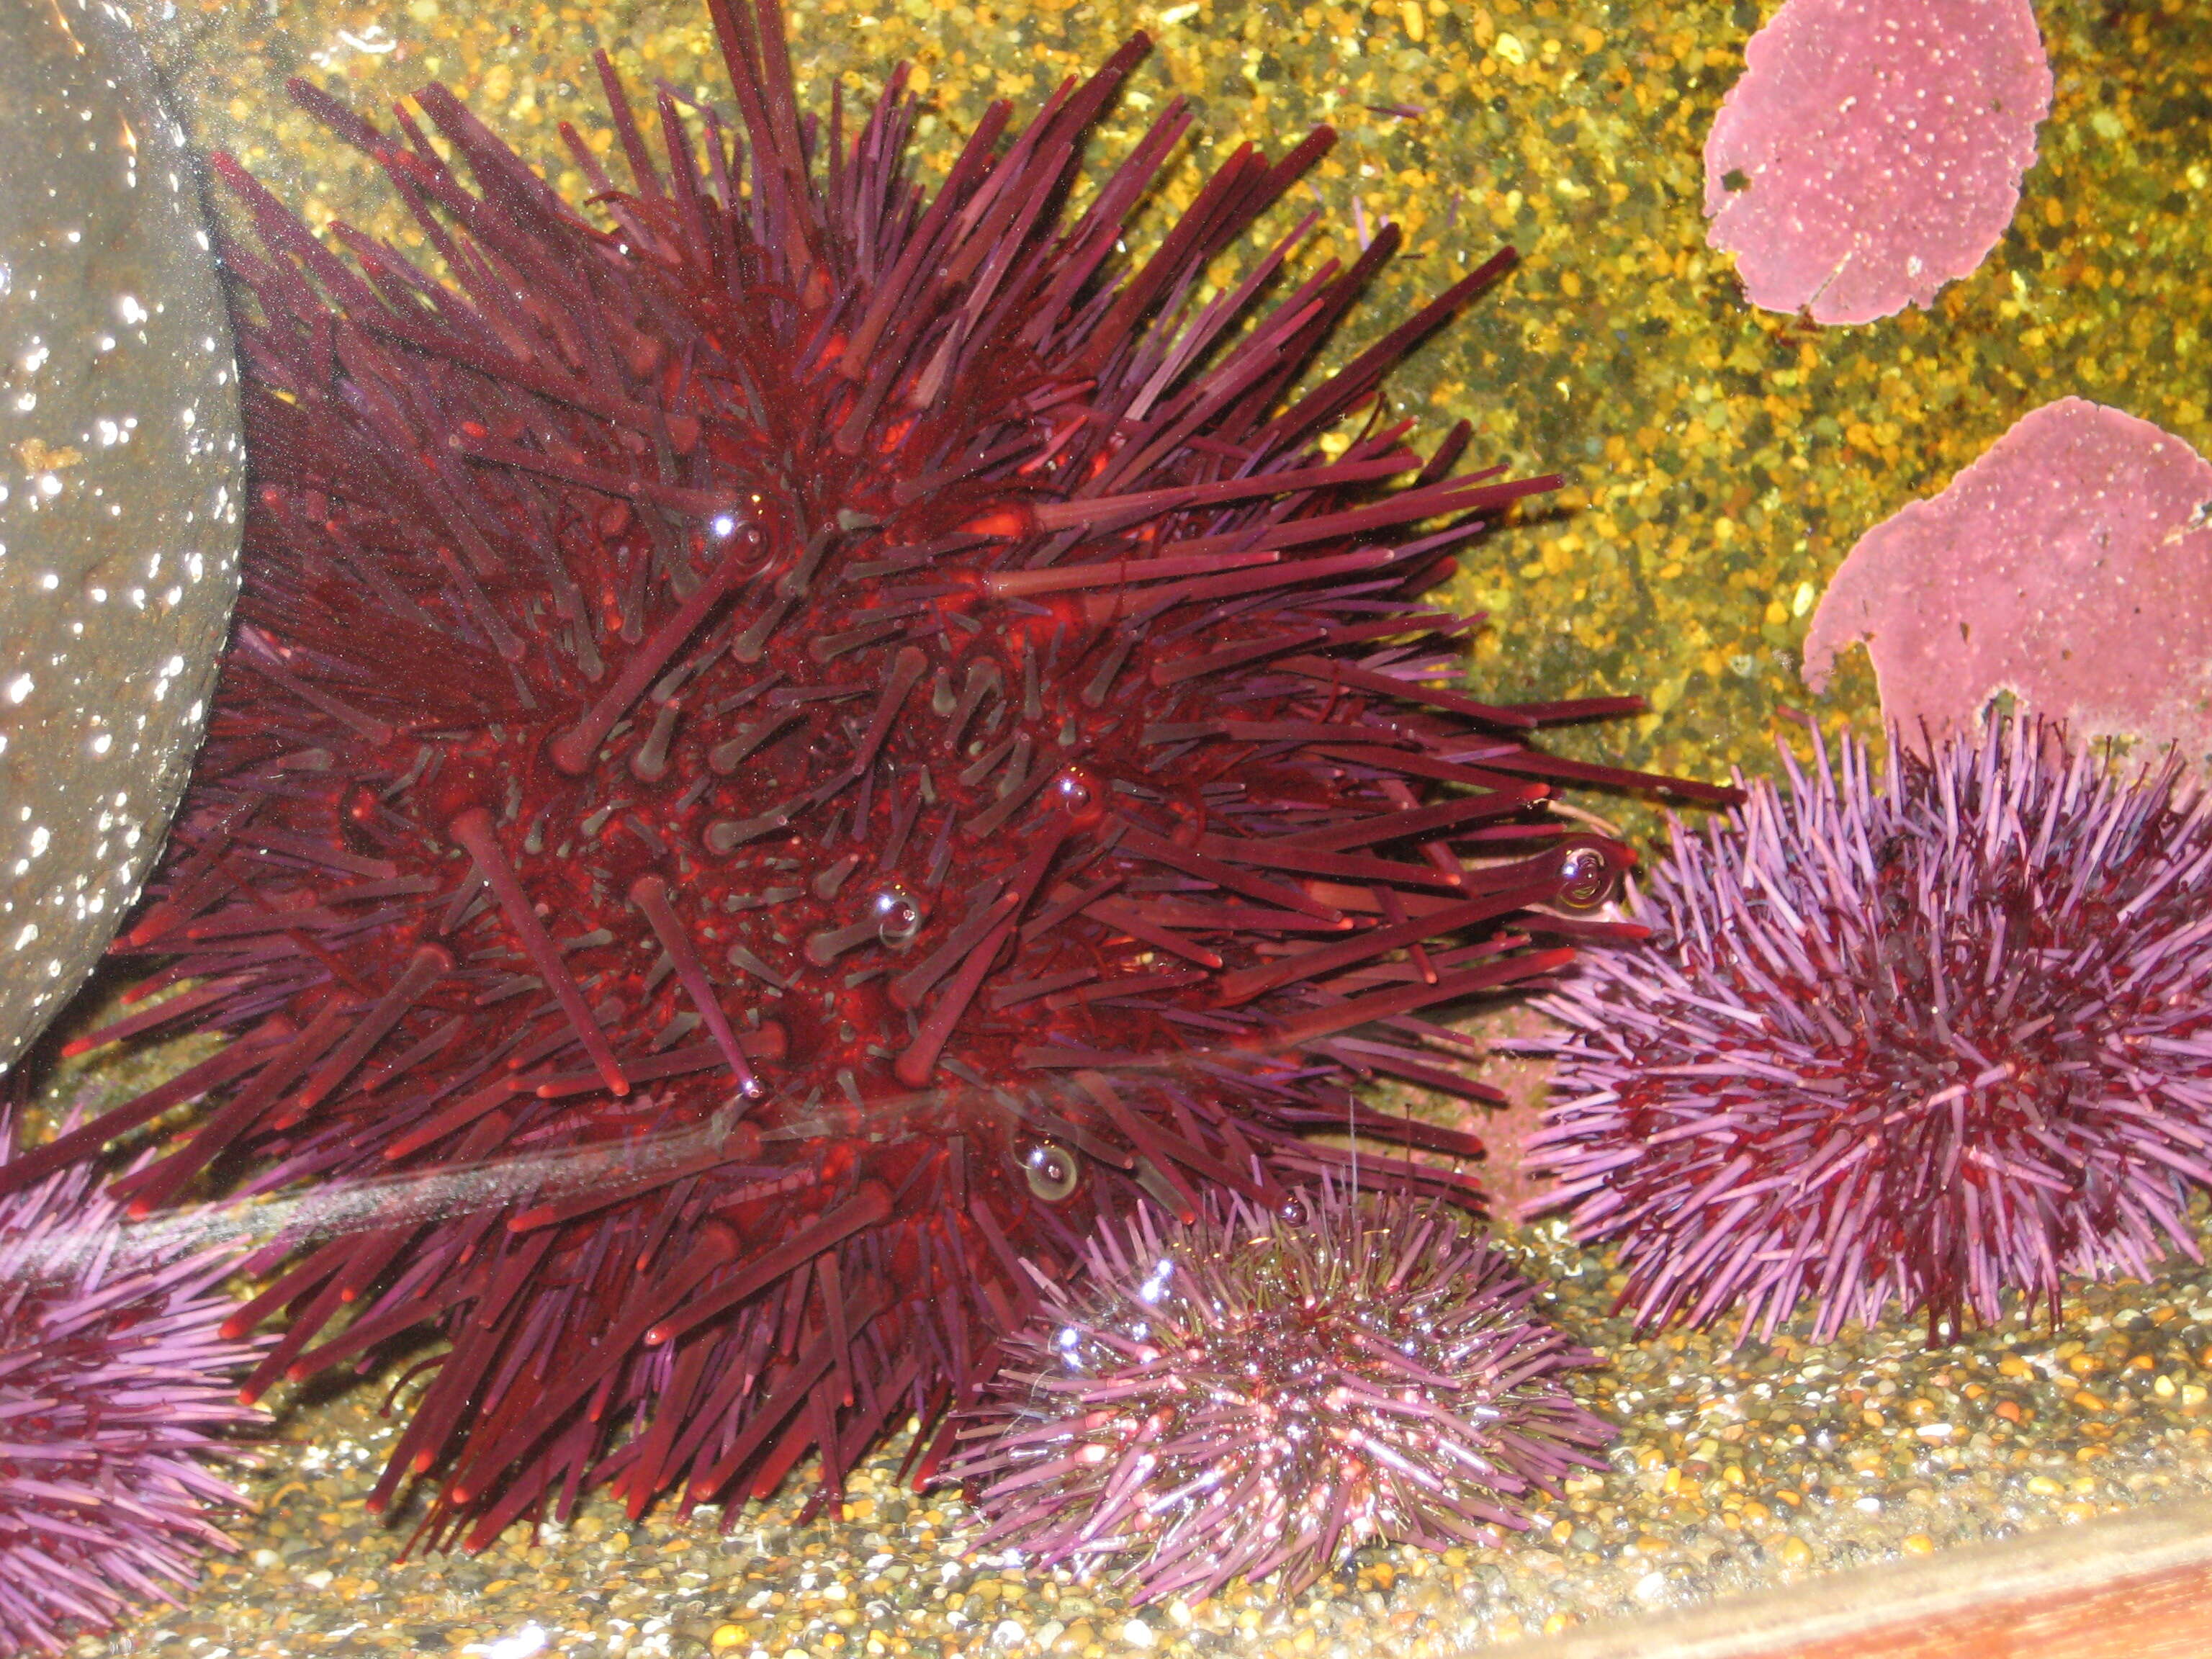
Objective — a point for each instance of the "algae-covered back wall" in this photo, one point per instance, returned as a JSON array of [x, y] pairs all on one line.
[[1721, 460]]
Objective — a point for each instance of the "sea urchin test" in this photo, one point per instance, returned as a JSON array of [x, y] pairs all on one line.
[[885, 684]]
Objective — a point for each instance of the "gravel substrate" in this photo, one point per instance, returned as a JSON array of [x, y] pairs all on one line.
[[1736, 1468]]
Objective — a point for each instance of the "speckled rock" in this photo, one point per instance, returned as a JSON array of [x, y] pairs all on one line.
[[119, 479]]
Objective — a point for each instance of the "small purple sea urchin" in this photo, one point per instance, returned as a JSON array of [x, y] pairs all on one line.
[[115, 1387], [1257, 1392], [1918, 1045]]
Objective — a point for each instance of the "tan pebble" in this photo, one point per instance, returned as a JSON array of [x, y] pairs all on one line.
[[725, 1635], [1385, 1575], [2043, 1487], [1796, 1552], [1557, 1622], [2014, 1365], [1919, 1543], [589, 1528], [616, 1544]]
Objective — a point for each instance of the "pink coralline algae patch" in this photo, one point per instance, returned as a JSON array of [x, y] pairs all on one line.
[[2071, 566], [1873, 150]]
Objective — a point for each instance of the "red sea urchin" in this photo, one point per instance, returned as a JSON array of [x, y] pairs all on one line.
[[1255, 1392], [115, 1391], [870, 692], [1915, 1047]]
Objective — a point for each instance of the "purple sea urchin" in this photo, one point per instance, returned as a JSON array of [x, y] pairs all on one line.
[[875, 693], [1908, 1048], [1253, 1393], [116, 1389]]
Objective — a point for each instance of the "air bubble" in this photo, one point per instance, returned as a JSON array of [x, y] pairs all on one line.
[[1050, 1169], [1587, 875], [1077, 794], [898, 915]]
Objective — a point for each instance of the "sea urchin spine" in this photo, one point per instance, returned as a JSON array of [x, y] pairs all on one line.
[[879, 692], [1907, 1048]]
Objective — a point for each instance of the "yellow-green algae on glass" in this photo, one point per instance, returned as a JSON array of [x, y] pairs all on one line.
[[1723, 461]]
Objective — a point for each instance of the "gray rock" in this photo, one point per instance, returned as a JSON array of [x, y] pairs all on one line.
[[120, 482]]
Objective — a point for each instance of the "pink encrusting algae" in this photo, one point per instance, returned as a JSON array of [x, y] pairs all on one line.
[[2071, 566], [1873, 150], [1903, 1048], [1252, 1393], [117, 1390]]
